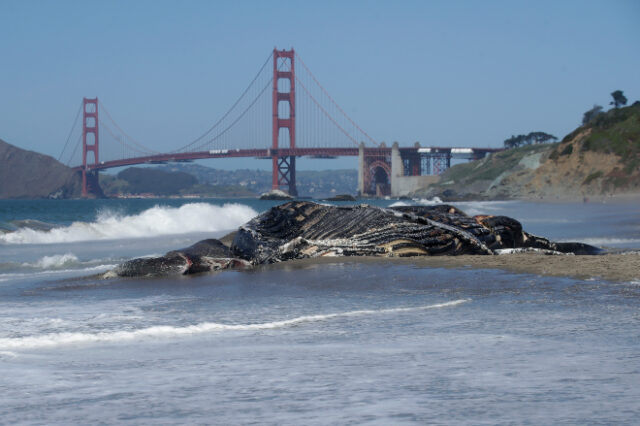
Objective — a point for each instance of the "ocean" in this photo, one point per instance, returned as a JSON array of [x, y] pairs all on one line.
[[300, 343]]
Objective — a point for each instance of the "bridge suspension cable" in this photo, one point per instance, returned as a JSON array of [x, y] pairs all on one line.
[[226, 114], [75, 122], [104, 125], [234, 122], [145, 150], [325, 112], [75, 150], [333, 101]]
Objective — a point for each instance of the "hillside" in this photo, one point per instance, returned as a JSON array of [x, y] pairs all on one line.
[[151, 180], [310, 183], [598, 159], [28, 174]]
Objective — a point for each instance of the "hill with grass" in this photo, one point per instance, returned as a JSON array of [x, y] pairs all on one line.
[[598, 159], [28, 174]]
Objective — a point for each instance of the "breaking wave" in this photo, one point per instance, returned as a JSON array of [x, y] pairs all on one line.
[[418, 202], [55, 262], [57, 339], [158, 220]]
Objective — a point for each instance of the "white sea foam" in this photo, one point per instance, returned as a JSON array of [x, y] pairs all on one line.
[[430, 202], [158, 220], [58, 339], [421, 202], [56, 261]]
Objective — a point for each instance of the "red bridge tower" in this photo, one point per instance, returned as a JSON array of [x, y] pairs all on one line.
[[284, 167], [89, 143]]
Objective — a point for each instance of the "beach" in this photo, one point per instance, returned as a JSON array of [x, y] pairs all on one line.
[[607, 267], [486, 339]]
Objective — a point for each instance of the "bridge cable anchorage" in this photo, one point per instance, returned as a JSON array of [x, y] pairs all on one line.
[[237, 119], [71, 131], [147, 150], [333, 101], [119, 140], [326, 113], [199, 138]]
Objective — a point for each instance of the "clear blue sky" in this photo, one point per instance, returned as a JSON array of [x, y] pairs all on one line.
[[438, 72]]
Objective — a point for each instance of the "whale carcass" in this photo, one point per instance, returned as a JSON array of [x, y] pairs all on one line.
[[303, 229]]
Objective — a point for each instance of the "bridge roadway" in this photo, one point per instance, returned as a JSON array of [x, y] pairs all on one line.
[[460, 153]]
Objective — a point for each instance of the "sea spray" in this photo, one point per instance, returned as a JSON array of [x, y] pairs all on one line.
[[55, 262], [158, 220]]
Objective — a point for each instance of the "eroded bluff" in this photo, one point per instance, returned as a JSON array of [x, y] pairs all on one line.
[[302, 229]]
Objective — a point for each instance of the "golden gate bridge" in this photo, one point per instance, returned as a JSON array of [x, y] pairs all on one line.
[[298, 119]]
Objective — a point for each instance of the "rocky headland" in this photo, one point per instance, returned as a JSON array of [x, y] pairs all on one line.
[[597, 160], [28, 174]]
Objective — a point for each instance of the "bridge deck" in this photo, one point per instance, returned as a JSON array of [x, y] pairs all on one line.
[[462, 153]]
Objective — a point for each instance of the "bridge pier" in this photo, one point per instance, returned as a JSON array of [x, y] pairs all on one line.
[[284, 173], [284, 168]]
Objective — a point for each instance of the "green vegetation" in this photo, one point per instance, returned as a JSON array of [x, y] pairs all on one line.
[[531, 138], [592, 177], [591, 114], [619, 99], [616, 132], [314, 183], [150, 180], [513, 172], [567, 150], [491, 167], [160, 182], [194, 179]]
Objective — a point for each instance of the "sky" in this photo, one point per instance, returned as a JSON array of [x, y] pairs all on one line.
[[444, 73]]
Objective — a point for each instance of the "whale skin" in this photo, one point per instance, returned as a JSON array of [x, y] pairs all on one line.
[[304, 229]]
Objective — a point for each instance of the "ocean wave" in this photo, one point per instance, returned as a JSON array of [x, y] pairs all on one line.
[[418, 202], [55, 262], [605, 241], [160, 331], [158, 220]]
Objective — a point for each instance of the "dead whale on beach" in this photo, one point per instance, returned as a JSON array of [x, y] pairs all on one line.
[[303, 229]]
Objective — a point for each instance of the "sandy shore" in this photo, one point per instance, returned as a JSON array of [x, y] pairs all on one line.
[[609, 267]]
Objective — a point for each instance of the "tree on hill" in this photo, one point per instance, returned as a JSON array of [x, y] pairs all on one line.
[[539, 137], [619, 99], [531, 138], [514, 141], [591, 114]]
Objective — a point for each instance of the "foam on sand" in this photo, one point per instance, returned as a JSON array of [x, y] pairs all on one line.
[[164, 331]]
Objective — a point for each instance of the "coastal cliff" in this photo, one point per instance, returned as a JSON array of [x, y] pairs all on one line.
[[599, 159], [28, 174]]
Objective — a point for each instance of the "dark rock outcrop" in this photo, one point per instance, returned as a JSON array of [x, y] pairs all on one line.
[[302, 229], [27, 174]]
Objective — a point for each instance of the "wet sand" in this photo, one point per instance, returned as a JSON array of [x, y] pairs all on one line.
[[609, 267]]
